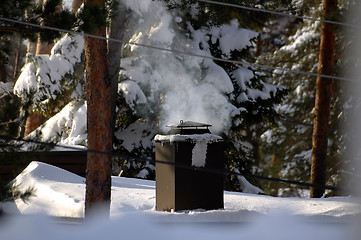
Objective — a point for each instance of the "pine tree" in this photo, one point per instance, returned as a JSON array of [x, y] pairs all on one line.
[[297, 48], [290, 140], [27, 10]]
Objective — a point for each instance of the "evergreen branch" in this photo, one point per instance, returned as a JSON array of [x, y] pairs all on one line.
[[297, 59]]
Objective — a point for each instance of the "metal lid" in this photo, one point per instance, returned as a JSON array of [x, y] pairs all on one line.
[[189, 127], [189, 124]]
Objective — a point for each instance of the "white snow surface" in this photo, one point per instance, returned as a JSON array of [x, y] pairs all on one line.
[[199, 153], [246, 186], [137, 135], [133, 215], [67, 4], [232, 38], [43, 74], [207, 137], [132, 93], [302, 36], [67, 127]]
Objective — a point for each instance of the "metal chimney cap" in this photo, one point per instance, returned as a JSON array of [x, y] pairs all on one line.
[[188, 128], [189, 124]]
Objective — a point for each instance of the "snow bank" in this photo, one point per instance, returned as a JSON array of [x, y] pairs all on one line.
[[138, 227], [57, 192], [60, 193]]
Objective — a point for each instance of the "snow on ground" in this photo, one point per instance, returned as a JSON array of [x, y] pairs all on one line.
[[245, 216]]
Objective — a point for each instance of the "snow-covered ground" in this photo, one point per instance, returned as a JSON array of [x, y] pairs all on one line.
[[133, 215]]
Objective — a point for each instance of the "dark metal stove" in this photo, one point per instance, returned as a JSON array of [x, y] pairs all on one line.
[[178, 185]]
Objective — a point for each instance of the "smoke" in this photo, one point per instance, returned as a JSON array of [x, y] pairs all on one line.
[[178, 87]]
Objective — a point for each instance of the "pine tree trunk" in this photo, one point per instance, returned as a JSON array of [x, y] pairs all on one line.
[[33, 121], [31, 46], [2, 71], [44, 47], [76, 5], [115, 48], [275, 173], [323, 101], [100, 122], [17, 58]]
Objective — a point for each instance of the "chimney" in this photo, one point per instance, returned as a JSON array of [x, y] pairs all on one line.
[[179, 184]]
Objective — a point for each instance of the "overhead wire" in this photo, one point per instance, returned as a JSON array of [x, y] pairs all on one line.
[[280, 13], [131, 157], [243, 63]]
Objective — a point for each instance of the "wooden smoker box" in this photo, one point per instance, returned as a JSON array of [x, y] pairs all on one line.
[[180, 186]]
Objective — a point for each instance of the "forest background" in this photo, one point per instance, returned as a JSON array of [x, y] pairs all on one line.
[[267, 114]]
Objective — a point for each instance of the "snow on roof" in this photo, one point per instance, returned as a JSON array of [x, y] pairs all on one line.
[[61, 193], [207, 137]]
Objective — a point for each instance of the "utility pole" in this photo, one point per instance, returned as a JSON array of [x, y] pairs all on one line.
[[323, 100]]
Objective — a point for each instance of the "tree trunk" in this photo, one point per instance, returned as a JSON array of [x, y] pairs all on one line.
[[31, 46], [115, 48], [44, 47], [323, 101], [76, 5], [100, 122], [275, 173], [33, 121], [17, 58]]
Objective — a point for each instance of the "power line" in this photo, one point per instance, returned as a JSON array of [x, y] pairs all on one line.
[[311, 74], [243, 63], [280, 13], [178, 165]]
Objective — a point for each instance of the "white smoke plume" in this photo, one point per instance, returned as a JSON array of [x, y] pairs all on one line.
[[181, 87]]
